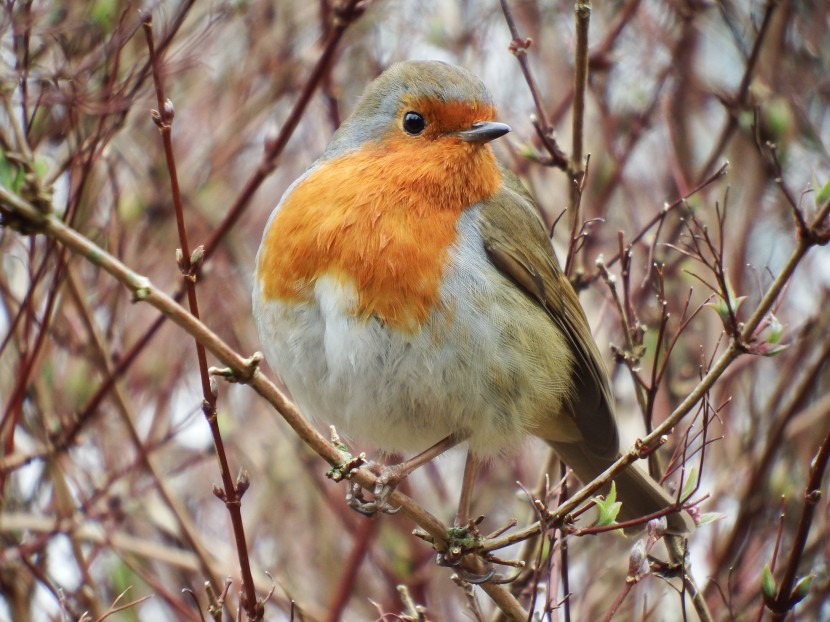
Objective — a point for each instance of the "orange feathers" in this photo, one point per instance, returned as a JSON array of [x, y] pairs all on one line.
[[382, 218]]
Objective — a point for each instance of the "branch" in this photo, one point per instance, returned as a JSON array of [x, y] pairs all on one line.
[[787, 597], [246, 371], [232, 491]]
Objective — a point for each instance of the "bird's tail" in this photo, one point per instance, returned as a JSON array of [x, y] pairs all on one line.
[[639, 493]]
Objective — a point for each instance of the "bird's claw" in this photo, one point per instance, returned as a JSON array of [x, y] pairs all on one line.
[[384, 486], [476, 578]]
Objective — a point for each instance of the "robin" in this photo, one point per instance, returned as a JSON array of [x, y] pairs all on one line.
[[406, 290]]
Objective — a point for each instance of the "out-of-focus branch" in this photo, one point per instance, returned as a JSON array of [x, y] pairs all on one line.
[[787, 597], [659, 217], [345, 13], [741, 97], [582, 12]]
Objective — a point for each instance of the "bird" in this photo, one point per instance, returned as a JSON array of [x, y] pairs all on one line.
[[406, 290]]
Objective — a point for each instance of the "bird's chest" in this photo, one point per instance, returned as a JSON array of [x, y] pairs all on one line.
[[378, 254], [478, 363], [373, 379], [388, 372]]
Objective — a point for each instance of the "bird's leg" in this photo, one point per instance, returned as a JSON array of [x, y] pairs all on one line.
[[465, 530], [467, 484], [389, 476]]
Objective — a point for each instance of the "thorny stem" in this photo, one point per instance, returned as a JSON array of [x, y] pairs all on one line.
[[232, 493]]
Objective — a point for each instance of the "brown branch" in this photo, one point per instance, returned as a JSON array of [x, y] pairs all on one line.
[[232, 491], [544, 130], [741, 97], [785, 599]]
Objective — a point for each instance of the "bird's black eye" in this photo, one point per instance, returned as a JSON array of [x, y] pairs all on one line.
[[413, 123]]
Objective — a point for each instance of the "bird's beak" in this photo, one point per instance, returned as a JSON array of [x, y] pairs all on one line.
[[483, 132]]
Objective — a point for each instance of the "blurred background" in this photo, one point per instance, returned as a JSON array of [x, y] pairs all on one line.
[[106, 461]]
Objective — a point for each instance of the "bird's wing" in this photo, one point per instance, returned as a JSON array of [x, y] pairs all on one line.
[[517, 244]]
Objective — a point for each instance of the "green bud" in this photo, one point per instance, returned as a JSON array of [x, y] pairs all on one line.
[[801, 589], [767, 583]]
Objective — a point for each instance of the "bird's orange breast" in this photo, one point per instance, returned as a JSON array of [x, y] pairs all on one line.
[[380, 219]]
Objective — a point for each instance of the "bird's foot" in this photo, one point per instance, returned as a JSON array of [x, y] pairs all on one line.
[[462, 540], [468, 576], [388, 478]]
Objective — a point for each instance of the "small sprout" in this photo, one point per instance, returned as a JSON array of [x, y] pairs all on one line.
[[169, 109], [243, 482], [335, 440], [823, 194], [689, 485], [767, 350], [180, 260], [637, 561], [722, 308], [197, 257], [767, 584], [801, 589], [710, 517], [656, 527], [141, 293], [608, 508], [141, 287], [776, 329]]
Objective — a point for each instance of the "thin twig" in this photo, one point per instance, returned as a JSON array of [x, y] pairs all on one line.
[[785, 599]]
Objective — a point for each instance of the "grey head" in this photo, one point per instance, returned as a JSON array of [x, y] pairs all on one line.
[[384, 102]]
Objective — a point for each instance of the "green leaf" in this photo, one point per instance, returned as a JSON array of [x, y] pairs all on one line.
[[11, 175], [776, 329], [689, 484], [768, 583], [709, 517], [823, 194], [779, 119], [773, 351], [801, 589], [608, 508], [720, 306]]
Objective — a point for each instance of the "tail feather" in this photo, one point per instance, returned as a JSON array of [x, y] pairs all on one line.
[[639, 493]]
